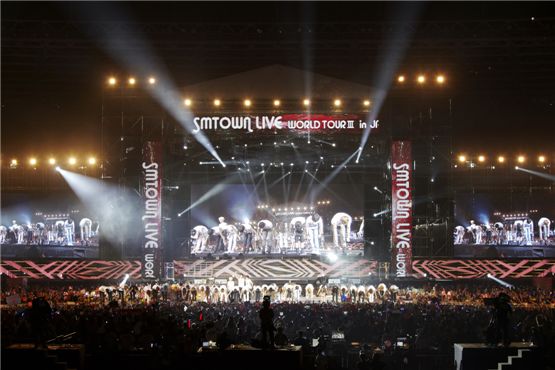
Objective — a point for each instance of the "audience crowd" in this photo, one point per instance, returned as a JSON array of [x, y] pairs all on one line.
[[181, 318]]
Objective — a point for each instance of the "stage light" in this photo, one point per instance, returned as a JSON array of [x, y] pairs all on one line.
[[366, 103], [521, 159], [306, 102], [57, 168], [13, 162], [247, 103], [401, 79], [291, 164], [462, 158], [262, 164], [187, 102], [131, 81], [151, 80], [52, 161], [277, 103], [33, 161], [337, 102], [72, 160], [333, 144], [501, 159], [332, 257], [185, 147], [440, 79], [421, 79], [481, 158], [217, 102], [92, 161], [112, 81], [541, 159]]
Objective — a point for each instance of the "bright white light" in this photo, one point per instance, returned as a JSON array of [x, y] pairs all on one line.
[[337, 103], [277, 103], [332, 257], [151, 80], [132, 81], [187, 102], [306, 102]]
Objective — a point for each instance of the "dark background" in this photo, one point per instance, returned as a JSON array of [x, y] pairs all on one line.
[[499, 62]]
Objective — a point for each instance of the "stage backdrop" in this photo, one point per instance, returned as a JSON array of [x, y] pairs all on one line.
[[401, 208], [152, 213]]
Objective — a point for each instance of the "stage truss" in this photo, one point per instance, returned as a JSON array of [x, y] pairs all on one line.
[[277, 269]]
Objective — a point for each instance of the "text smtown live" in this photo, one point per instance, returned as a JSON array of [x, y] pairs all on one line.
[[152, 217]]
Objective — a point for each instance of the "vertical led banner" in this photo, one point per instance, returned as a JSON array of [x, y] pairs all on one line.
[[401, 208], [151, 168]]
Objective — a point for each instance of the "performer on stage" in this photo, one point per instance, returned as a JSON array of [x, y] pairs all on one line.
[[528, 226], [500, 232], [518, 232], [297, 226], [219, 232], [200, 235], [69, 227], [3, 234], [544, 224], [40, 233], [342, 221], [230, 233], [265, 229], [459, 234], [86, 227], [315, 229], [282, 237], [248, 232]]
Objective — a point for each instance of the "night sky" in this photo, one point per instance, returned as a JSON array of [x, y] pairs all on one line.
[[499, 59]]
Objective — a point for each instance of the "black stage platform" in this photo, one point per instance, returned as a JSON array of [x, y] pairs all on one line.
[[478, 356], [504, 251], [33, 251]]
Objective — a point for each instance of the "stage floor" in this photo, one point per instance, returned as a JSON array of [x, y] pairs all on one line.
[[504, 251], [33, 251]]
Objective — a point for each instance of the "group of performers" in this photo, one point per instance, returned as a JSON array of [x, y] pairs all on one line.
[[242, 289], [519, 232], [59, 232], [298, 235]]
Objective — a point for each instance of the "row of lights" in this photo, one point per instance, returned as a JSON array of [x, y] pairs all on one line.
[[131, 81], [291, 209], [247, 103], [322, 202], [421, 79], [33, 161], [500, 159]]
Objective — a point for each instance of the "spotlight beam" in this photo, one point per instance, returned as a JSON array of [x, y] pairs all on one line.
[[142, 60], [332, 175], [389, 63], [536, 173], [218, 188], [500, 282]]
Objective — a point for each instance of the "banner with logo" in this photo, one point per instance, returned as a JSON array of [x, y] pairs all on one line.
[[151, 168], [401, 208]]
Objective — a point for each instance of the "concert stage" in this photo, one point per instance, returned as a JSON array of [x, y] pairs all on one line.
[[478, 356], [34, 251], [504, 251]]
